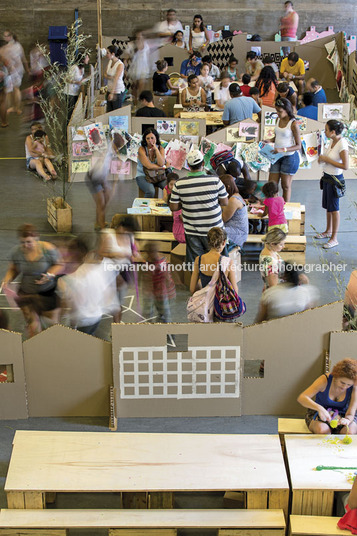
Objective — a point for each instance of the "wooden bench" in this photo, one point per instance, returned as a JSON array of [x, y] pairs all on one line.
[[315, 526], [142, 522], [294, 250], [165, 240]]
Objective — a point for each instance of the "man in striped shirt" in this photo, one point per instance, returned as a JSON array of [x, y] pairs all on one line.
[[200, 196]]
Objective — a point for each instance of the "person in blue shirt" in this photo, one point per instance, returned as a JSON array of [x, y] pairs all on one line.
[[239, 107], [318, 94], [309, 110], [191, 66]]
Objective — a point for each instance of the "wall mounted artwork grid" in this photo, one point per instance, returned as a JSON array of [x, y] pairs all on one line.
[[162, 372]]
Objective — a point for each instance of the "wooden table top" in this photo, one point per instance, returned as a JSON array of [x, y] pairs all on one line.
[[212, 118], [306, 452], [109, 462]]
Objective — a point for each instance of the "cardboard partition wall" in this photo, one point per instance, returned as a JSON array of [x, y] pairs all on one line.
[[174, 57], [170, 127], [79, 176], [342, 344], [177, 370], [13, 404], [319, 66], [68, 374], [352, 74], [292, 349]]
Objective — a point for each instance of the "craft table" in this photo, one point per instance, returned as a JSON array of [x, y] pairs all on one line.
[[211, 118], [75, 462], [155, 219], [296, 224], [313, 491]]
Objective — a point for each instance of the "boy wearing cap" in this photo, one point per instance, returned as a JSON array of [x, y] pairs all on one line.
[[200, 196]]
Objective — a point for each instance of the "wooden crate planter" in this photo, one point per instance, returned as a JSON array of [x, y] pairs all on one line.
[[59, 214]]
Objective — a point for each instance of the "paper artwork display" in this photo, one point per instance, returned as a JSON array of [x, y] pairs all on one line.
[[117, 167], [176, 153], [310, 146], [132, 148], [267, 150], [165, 127], [269, 133], [304, 164], [78, 134], [189, 128], [81, 148], [270, 118], [119, 121], [222, 147], [190, 139], [301, 123], [95, 136], [332, 111], [248, 130], [255, 160], [80, 166], [207, 148], [352, 160], [233, 134]]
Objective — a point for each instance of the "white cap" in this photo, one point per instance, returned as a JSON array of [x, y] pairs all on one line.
[[194, 157]]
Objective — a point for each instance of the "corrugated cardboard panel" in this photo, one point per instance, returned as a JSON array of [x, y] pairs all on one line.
[[68, 374], [148, 344], [342, 344], [12, 395], [293, 350]]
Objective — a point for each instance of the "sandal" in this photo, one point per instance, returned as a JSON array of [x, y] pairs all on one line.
[[319, 236], [330, 245]]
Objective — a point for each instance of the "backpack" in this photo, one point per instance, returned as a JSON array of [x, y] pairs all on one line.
[[222, 157], [227, 304]]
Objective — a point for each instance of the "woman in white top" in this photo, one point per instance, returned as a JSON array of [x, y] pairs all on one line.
[[142, 65], [74, 80], [114, 74], [193, 98], [199, 37], [178, 40], [16, 63], [287, 142], [221, 94], [334, 160]]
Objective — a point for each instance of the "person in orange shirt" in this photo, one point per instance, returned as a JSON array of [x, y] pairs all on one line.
[[267, 84]]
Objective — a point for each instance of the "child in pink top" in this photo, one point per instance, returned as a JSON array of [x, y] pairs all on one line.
[[177, 228], [274, 207]]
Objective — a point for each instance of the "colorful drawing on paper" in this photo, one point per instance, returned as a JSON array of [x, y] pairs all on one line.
[[268, 133], [189, 128], [222, 147], [117, 167], [207, 148], [352, 160], [190, 139], [166, 127], [80, 166], [310, 146], [78, 134], [81, 148], [95, 136], [301, 123], [248, 130], [270, 118], [233, 134], [304, 164], [119, 121], [132, 148], [332, 111], [176, 153]]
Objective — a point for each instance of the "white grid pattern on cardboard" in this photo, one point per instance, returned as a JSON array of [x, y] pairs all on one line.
[[200, 372]]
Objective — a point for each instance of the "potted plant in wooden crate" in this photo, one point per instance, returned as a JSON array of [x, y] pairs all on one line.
[[56, 108]]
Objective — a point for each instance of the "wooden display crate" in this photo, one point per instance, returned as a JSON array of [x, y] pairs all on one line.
[[59, 214]]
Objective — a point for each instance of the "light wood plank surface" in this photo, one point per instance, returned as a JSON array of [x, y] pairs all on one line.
[[306, 452], [315, 526], [80, 461], [141, 518]]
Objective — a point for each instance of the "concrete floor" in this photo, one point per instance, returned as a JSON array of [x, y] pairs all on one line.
[[23, 199]]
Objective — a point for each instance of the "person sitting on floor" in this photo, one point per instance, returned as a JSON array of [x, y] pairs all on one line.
[[39, 153], [309, 110], [148, 109], [318, 93]]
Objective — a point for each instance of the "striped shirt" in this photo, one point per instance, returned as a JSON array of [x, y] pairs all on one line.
[[199, 195]]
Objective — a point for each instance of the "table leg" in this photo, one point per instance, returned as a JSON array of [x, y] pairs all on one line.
[[257, 499], [51, 497], [135, 500], [279, 499], [158, 500], [312, 502], [26, 499]]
